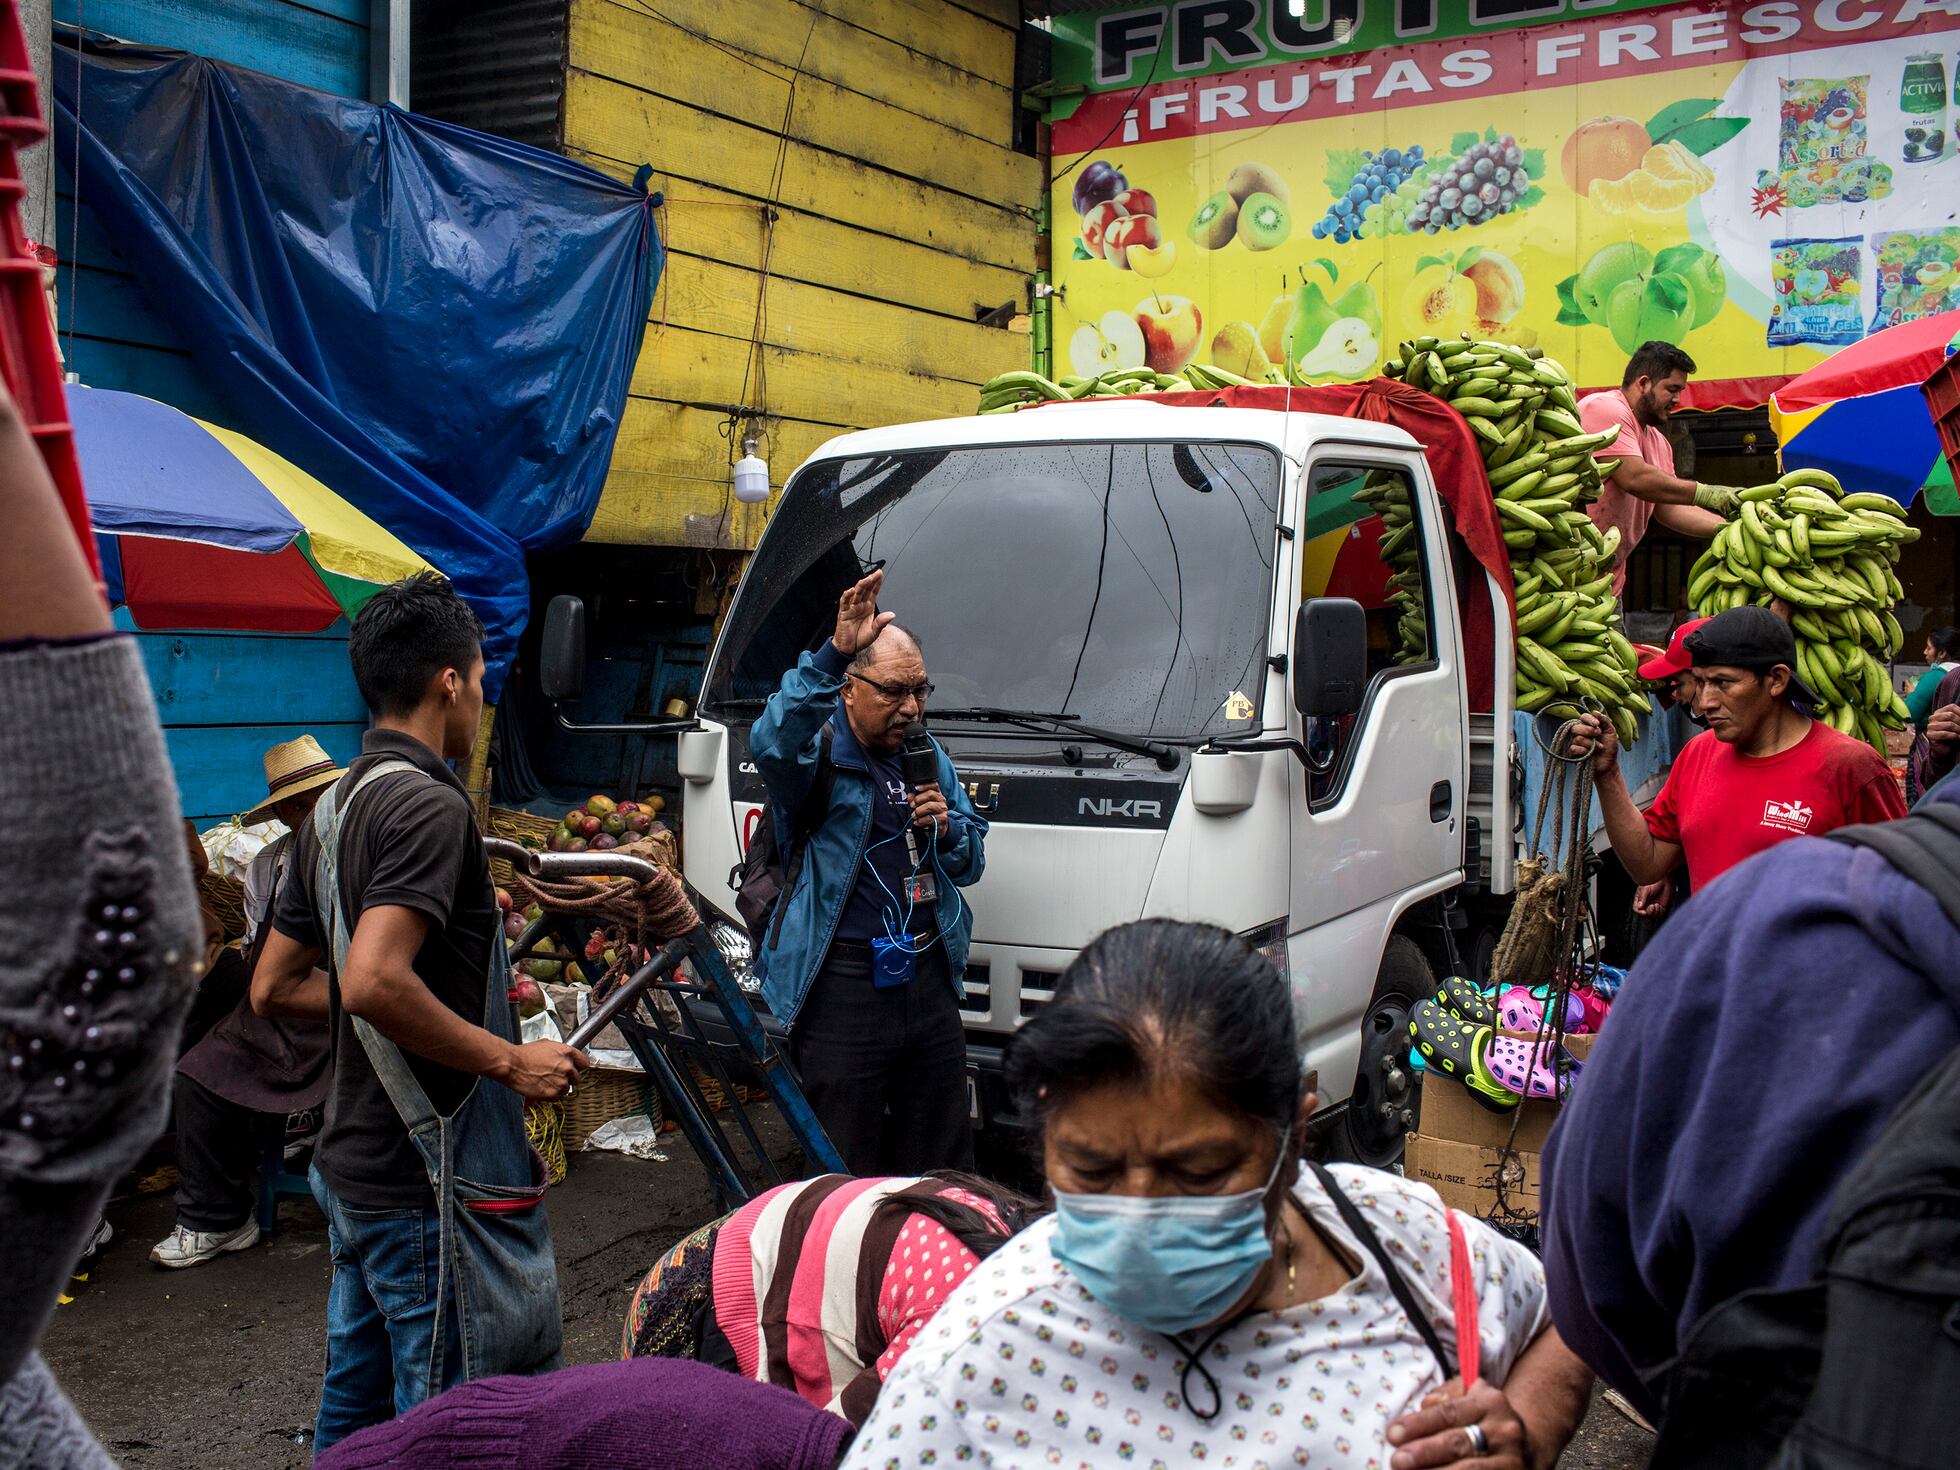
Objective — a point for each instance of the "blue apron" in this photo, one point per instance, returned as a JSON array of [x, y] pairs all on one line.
[[496, 1258]]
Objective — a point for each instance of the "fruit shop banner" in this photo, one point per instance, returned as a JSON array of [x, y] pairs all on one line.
[[438, 323], [1760, 185]]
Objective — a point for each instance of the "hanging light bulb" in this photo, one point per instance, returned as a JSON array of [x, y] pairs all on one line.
[[751, 475]]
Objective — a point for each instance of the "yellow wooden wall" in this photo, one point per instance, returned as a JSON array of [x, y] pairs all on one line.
[[901, 208]]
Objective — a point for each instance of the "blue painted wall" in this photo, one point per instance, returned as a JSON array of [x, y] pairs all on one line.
[[224, 697]]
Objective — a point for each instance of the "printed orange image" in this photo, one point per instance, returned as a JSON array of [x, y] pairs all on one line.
[[1604, 148]]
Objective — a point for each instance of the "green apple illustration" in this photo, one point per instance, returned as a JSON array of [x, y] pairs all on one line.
[[1608, 270], [1647, 309], [1701, 272]]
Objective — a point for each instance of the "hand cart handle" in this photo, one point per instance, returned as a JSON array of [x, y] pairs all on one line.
[[571, 864], [629, 991]]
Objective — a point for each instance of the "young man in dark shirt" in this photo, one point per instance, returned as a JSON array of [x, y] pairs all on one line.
[[417, 899]]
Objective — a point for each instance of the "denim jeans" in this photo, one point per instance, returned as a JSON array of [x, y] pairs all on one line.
[[381, 1316]]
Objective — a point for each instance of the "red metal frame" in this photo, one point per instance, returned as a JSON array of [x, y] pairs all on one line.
[[29, 363]]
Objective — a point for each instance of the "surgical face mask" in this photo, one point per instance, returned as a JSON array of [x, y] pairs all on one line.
[[1170, 1264]]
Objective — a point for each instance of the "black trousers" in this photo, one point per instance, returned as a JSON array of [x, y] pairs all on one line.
[[219, 1145], [885, 1069]]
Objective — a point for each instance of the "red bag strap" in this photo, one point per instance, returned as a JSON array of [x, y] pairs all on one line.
[[1463, 1298]]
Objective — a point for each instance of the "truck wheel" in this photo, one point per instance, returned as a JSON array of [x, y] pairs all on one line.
[[1382, 1110]]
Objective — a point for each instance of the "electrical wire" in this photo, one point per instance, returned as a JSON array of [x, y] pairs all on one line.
[[1156, 60]]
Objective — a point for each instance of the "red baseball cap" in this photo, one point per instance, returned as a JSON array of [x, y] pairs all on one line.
[[1676, 660]]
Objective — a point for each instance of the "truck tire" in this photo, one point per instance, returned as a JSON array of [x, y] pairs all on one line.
[[1381, 1110]]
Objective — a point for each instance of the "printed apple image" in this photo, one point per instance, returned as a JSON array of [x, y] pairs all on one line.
[[1171, 327], [1152, 261], [1137, 229], [1096, 224], [1114, 342], [1136, 201]]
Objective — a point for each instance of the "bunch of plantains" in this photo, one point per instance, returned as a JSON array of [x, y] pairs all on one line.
[[1015, 390], [1521, 408], [1829, 556]]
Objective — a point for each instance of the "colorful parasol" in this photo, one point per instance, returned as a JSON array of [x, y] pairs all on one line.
[[199, 527], [1860, 415]]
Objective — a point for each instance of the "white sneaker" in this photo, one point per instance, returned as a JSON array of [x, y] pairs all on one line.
[[187, 1247]]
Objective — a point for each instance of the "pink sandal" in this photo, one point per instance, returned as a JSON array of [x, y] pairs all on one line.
[[1530, 1068]]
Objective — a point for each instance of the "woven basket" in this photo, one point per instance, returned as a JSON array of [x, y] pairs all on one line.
[[605, 1093], [225, 897], [516, 826], [544, 1125], [712, 1094]]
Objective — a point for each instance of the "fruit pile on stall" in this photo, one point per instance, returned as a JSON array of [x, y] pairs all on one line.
[[603, 823], [1520, 406], [1828, 556]]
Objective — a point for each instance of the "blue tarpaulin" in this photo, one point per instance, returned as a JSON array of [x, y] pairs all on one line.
[[437, 323]]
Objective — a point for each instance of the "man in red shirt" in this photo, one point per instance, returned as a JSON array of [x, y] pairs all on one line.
[[1645, 487], [1762, 773]]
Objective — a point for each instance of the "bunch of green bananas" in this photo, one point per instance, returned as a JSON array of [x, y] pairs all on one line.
[[1829, 556], [1015, 390], [1521, 408], [1387, 492]]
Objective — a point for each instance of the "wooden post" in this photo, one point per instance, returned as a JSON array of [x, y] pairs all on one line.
[[476, 776]]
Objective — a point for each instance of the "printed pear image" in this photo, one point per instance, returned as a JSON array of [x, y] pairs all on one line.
[[1273, 331], [1236, 349]]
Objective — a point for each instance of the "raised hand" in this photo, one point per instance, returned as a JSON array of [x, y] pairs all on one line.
[[858, 620]]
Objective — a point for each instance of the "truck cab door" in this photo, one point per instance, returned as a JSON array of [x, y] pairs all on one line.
[[1378, 816]]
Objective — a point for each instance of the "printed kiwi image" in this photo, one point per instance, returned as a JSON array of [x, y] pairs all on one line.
[[1216, 222], [1264, 222]]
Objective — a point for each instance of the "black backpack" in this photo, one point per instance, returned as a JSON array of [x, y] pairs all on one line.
[[1860, 1367], [762, 880]]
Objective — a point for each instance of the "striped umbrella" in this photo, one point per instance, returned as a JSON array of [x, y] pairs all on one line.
[[200, 527], [1859, 414]]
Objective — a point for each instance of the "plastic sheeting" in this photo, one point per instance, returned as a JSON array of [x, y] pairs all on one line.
[[437, 323]]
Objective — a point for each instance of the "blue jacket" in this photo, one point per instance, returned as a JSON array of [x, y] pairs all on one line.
[[785, 743], [1761, 1044]]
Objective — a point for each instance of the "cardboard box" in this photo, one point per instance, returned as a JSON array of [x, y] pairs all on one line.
[[1467, 1176], [1450, 1113]]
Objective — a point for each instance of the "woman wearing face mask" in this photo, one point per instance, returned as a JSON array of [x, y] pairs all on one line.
[[1197, 1293]]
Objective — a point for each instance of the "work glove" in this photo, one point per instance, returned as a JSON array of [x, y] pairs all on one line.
[[1717, 498]]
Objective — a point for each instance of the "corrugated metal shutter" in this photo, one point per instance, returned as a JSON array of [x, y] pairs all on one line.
[[494, 65]]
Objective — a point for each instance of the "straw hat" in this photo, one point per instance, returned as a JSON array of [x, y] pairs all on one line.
[[296, 766]]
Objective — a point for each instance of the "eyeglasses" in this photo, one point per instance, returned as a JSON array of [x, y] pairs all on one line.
[[897, 692]]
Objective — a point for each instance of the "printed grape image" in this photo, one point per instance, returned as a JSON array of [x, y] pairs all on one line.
[[1379, 177], [1486, 180]]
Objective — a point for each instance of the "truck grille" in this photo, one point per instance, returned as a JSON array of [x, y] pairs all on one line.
[[1005, 985], [979, 988]]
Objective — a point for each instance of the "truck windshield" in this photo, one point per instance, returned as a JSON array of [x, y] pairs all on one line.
[[1125, 585]]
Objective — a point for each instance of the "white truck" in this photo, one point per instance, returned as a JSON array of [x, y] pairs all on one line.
[[1156, 707]]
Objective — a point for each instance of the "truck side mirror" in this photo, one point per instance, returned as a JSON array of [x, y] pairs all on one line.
[[1330, 656], [563, 651]]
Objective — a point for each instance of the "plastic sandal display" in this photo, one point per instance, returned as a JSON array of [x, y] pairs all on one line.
[[1530, 1068], [1468, 1000]]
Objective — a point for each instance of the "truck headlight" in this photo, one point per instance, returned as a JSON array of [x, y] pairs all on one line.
[[1270, 941], [737, 951]]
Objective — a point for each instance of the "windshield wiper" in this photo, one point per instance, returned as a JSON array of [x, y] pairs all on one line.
[[1030, 719]]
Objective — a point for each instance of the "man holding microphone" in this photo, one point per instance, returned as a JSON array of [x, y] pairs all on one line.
[[864, 956]]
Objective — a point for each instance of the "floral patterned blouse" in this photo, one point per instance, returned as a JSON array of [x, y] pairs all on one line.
[[1022, 1367]]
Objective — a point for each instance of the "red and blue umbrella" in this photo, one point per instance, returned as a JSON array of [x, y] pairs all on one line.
[[200, 527], [1860, 415]]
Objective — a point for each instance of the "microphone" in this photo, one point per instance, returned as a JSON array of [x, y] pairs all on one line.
[[921, 768], [920, 763]]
